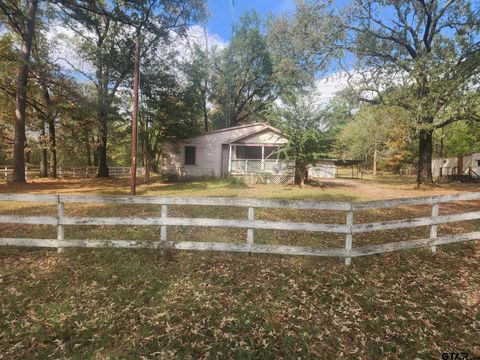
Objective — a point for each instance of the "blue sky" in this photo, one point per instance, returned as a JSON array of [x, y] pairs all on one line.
[[219, 21]]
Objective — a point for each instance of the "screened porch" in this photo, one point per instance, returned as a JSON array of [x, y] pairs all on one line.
[[258, 159]]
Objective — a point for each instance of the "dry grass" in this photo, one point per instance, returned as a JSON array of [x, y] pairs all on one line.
[[109, 304]]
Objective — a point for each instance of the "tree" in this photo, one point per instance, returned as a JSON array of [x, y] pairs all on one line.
[[380, 135], [105, 32], [21, 21], [309, 133], [243, 85], [301, 44], [460, 138], [170, 107], [197, 72], [430, 50]]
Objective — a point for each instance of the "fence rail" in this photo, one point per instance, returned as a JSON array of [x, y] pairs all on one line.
[[75, 172], [349, 229]]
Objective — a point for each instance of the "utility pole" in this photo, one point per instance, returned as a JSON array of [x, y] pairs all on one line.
[[133, 168]]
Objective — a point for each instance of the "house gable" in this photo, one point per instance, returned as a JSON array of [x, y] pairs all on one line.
[[264, 137]]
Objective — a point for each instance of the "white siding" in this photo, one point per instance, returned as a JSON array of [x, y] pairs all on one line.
[[322, 170], [470, 161], [208, 152]]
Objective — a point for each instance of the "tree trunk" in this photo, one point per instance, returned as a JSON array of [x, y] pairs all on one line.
[[146, 176], [425, 148], [205, 112], [300, 171], [102, 171], [52, 139], [88, 151], [21, 96], [94, 151], [441, 143], [43, 154], [375, 160], [95, 156]]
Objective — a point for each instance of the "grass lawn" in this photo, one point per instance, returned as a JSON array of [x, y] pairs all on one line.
[[130, 304]]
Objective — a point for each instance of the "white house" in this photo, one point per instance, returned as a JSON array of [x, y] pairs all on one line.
[[249, 152]]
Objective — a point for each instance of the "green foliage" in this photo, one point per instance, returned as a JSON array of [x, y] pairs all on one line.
[[243, 81], [460, 138], [302, 43], [168, 110], [310, 133], [381, 129]]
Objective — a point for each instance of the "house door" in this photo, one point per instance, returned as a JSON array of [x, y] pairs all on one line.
[[224, 160]]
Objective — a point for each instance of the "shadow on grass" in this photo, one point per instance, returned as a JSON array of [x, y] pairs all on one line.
[[329, 184], [197, 185]]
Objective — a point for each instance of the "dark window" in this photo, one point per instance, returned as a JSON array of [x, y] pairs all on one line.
[[478, 162], [190, 155], [249, 152]]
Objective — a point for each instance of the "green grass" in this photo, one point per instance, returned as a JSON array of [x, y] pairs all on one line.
[[133, 304]]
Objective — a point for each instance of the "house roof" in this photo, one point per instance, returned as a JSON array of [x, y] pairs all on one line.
[[234, 128], [257, 131]]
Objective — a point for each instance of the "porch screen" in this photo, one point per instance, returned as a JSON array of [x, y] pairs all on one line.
[[249, 152]]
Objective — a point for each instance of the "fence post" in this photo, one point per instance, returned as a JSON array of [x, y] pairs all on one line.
[[434, 228], [6, 176], [251, 217], [60, 228], [26, 173], [348, 238], [60, 172], [163, 228]]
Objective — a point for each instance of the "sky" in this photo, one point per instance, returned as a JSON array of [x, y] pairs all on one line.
[[219, 27], [221, 12]]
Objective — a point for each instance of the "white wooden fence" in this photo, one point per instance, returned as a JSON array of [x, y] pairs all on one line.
[[349, 228], [75, 172]]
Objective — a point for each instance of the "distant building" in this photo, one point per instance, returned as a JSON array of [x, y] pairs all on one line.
[[458, 166], [328, 168], [248, 152]]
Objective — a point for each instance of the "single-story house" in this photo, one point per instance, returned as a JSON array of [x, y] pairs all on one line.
[[249, 152], [458, 165]]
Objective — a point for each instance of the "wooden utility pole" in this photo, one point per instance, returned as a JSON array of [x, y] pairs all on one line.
[[133, 169]]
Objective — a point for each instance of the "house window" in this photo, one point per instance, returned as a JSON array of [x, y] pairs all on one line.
[[190, 155], [478, 162], [249, 152]]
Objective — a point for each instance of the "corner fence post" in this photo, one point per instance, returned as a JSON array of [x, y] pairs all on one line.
[[251, 218], [434, 228], [349, 237], [60, 228]]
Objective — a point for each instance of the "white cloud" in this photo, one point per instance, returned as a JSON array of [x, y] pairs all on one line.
[[196, 36], [65, 44], [64, 51], [327, 87]]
